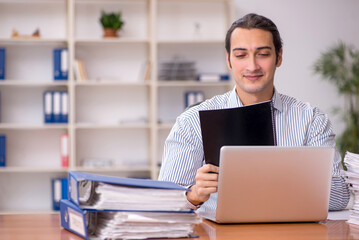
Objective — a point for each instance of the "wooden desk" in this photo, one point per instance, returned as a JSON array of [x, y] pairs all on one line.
[[47, 226]]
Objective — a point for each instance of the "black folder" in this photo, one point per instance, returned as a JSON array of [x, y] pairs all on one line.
[[251, 125]]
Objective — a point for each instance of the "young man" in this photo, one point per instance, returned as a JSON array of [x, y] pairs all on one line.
[[254, 51]]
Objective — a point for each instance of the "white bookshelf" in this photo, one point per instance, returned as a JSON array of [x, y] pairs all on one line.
[[115, 114]]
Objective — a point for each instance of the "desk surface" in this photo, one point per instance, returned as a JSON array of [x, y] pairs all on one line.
[[47, 226]]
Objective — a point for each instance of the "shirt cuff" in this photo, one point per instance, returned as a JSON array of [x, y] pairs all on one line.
[[188, 204]]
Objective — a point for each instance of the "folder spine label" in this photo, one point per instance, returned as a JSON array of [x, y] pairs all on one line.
[[57, 106], [64, 107], [76, 222]]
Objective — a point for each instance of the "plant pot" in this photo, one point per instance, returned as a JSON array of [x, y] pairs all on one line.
[[109, 32]]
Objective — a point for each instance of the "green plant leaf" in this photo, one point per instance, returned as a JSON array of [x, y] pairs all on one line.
[[340, 66], [111, 20]]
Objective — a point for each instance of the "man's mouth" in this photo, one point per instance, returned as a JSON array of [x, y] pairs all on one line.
[[253, 77]]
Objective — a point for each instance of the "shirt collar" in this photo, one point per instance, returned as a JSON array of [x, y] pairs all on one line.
[[234, 100]]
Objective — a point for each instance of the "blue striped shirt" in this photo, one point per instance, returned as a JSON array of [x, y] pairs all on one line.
[[297, 124]]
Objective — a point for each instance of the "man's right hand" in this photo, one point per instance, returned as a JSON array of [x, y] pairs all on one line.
[[206, 183]]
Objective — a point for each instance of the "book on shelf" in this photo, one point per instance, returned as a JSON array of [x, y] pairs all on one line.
[[61, 64], [64, 149], [351, 161], [2, 150], [212, 77], [55, 106], [145, 71], [248, 125], [125, 208], [2, 63], [80, 71], [59, 191]]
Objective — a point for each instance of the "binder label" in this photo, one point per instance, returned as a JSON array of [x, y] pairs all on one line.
[[76, 222], [64, 61], [48, 103], [57, 190]]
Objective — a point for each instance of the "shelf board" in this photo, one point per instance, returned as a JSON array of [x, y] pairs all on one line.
[[33, 170], [112, 126], [27, 126], [33, 41], [187, 83], [191, 1], [30, 83], [191, 41], [107, 1], [113, 83], [124, 40]]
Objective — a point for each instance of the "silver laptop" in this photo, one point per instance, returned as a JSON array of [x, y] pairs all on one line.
[[273, 184]]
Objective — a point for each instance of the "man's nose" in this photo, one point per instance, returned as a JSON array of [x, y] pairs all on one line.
[[252, 64]]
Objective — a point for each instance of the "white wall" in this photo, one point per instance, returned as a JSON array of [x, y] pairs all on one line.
[[308, 27]]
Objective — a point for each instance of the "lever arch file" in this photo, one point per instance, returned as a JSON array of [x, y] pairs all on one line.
[[48, 107], [2, 63], [64, 150], [248, 125], [2, 150], [59, 191], [61, 64], [100, 224], [56, 96], [64, 116], [92, 191], [129, 208]]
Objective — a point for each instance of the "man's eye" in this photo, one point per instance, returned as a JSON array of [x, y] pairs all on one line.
[[263, 54], [240, 55]]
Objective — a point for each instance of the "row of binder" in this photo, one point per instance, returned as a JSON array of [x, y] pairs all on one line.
[[193, 97], [60, 64], [64, 150], [56, 107], [105, 207]]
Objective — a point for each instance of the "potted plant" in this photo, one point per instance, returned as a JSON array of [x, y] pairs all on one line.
[[340, 65], [111, 23]]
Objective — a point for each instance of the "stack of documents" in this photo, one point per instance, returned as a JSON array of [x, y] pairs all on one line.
[[106, 196], [125, 208], [140, 225], [351, 161]]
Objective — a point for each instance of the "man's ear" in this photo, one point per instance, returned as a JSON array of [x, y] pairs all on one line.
[[279, 58], [229, 65]]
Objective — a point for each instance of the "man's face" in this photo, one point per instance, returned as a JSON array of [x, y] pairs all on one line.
[[253, 63]]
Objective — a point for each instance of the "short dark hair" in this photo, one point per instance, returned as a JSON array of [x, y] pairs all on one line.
[[251, 21]]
